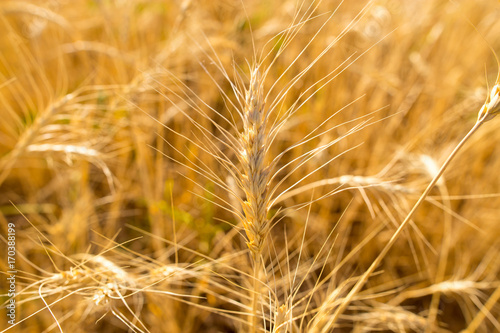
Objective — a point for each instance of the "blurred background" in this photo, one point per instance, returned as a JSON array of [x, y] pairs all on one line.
[[103, 106]]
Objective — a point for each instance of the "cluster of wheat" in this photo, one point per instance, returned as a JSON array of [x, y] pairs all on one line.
[[251, 166]]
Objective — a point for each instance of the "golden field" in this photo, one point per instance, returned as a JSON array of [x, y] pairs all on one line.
[[250, 166]]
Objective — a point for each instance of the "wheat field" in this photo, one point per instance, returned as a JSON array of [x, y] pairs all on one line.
[[250, 166]]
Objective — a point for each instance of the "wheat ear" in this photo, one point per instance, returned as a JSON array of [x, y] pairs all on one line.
[[488, 111], [255, 173]]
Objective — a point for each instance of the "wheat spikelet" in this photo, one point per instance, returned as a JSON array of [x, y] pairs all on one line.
[[492, 105], [280, 320]]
